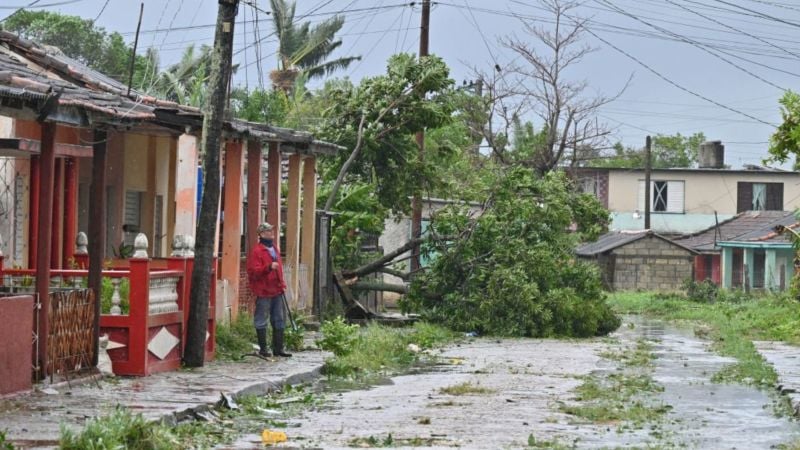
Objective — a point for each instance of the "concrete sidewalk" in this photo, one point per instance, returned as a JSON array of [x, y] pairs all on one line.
[[32, 420]]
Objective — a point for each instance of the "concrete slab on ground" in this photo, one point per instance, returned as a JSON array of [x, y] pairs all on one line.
[[785, 359]]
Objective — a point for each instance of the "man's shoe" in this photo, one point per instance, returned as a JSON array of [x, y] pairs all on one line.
[[277, 344], [261, 333]]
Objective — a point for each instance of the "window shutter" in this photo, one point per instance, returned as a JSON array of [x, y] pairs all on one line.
[[675, 196], [774, 196], [744, 196], [640, 198]]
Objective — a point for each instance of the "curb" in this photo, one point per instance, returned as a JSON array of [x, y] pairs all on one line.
[[258, 388]]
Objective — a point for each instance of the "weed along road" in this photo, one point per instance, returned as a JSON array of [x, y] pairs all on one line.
[[647, 385]]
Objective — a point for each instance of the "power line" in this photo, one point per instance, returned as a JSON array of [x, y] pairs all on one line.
[[19, 9], [711, 19], [688, 91], [101, 11], [760, 14], [691, 42]]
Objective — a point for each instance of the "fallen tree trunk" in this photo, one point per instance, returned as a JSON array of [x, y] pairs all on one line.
[[395, 273], [379, 286], [378, 264]]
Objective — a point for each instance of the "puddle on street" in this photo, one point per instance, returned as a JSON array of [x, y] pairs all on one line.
[[705, 414], [518, 386]]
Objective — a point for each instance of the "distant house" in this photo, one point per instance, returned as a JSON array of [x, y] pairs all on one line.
[[689, 200], [746, 251], [640, 260]]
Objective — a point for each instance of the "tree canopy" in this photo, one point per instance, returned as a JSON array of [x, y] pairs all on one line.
[[667, 151], [511, 270]]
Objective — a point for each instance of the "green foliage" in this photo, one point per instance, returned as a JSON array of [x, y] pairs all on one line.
[[512, 271], [78, 38], [359, 213], [235, 338], [785, 142], [108, 292], [667, 151], [413, 95], [118, 430], [305, 46], [338, 337], [703, 291], [378, 349], [293, 339], [5, 445]]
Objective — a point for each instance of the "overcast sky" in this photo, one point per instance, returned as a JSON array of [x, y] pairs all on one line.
[[681, 82]]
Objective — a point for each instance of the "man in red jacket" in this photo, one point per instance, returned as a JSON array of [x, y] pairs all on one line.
[[265, 274]]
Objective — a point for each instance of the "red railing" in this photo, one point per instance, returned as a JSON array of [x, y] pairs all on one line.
[[150, 337]]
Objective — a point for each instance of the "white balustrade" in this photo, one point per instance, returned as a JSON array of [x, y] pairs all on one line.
[[163, 295]]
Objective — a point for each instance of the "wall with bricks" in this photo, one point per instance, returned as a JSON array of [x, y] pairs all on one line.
[[653, 264]]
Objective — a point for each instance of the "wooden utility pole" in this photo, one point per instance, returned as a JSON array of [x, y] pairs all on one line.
[[416, 214], [647, 169], [214, 110]]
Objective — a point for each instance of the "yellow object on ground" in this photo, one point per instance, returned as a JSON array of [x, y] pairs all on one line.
[[269, 437]]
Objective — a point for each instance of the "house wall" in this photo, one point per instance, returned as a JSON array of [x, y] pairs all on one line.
[[651, 264], [704, 192]]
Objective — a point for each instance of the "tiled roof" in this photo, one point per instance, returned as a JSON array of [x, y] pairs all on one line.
[[614, 239], [748, 226], [34, 77]]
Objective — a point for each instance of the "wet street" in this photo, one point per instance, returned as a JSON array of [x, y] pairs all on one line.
[[489, 393]]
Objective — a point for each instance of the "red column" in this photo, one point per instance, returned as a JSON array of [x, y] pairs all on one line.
[[253, 193], [44, 230], [138, 336], [33, 226], [274, 188], [58, 190], [70, 209]]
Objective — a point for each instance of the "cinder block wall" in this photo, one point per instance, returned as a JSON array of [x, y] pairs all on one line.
[[652, 264]]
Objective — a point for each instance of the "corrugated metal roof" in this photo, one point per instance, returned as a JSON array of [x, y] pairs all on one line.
[[615, 239], [748, 226]]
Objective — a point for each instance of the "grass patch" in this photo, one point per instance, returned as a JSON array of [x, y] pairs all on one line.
[[235, 338], [620, 396], [123, 429], [375, 349], [465, 388], [732, 327]]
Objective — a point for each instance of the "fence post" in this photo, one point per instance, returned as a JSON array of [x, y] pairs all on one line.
[[139, 305], [81, 254], [177, 261]]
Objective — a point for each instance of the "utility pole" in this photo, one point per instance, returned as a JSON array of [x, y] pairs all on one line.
[[213, 111], [647, 169], [416, 214]]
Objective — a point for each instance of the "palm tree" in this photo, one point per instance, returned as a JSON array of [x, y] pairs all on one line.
[[185, 81], [303, 48]]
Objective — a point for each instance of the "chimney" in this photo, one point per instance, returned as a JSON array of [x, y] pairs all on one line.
[[711, 155]]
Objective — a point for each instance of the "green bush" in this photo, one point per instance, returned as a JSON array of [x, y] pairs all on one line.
[[338, 337], [512, 271], [119, 430], [702, 291], [236, 338], [293, 338]]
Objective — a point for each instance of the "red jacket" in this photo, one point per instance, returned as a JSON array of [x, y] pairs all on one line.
[[264, 281]]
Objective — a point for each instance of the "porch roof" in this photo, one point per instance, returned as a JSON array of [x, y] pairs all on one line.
[[747, 227], [39, 82]]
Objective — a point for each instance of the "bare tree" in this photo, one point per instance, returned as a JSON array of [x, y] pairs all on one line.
[[537, 84]]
